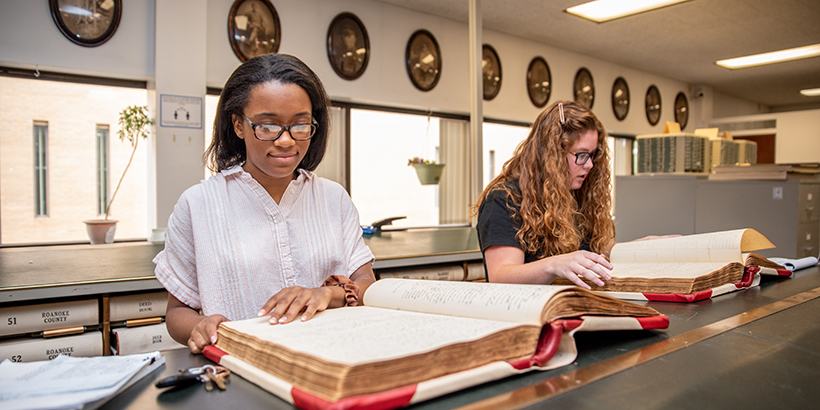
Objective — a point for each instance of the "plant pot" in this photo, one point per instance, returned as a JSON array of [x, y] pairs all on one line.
[[429, 174], [101, 231]]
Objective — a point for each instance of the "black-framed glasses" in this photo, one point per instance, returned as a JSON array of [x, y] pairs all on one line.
[[581, 158], [272, 132]]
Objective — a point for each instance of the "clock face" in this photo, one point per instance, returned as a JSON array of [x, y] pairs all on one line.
[[681, 110], [348, 46], [539, 82], [653, 105], [620, 98], [423, 60], [584, 88], [88, 25], [490, 71]]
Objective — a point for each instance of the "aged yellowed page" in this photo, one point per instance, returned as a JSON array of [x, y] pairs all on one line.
[[496, 301], [677, 270], [354, 336], [722, 247]]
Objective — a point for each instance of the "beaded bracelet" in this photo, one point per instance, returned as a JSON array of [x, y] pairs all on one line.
[[351, 288]]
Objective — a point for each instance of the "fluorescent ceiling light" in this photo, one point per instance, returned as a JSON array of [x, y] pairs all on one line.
[[771, 58], [600, 11], [811, 92]]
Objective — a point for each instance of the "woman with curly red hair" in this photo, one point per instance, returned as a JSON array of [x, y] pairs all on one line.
[[547, 215]]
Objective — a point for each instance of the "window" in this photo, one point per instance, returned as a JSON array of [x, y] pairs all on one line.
[[102, 168], [59, 158], [620, 149], [334, 164], [491, 165], [499, 142], [383, 185], [211, 105], [381, 182], [621, 161], [40, 169]]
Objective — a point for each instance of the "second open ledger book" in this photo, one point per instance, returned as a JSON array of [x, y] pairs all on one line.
[[418, 339], [688, 268]]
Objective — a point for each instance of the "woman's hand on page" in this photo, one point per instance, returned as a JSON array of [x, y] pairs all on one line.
[[290, 303], [582, 264], [204, 333]]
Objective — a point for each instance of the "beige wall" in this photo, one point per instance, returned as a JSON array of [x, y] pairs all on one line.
[[728, 106], [798, 137], [72, 112]]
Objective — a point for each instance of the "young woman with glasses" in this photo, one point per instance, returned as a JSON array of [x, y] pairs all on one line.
[[264, 234], [547, 215]]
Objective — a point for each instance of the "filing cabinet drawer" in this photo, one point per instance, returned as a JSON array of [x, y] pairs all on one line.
[[808, 201], [808, 239]]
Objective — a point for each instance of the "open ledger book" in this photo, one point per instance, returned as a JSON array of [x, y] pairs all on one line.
[[688, 268], [418, 339]]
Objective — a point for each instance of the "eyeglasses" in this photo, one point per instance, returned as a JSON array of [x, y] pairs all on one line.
[[581, 158], [272, 132]]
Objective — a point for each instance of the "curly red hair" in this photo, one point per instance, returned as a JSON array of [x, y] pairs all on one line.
[[555, 219]]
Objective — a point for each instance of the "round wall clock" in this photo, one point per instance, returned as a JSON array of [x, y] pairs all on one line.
[[620, 98], [87, 23], [584, 88], [538, 82], [422, 58], [253, 28], [490, 71], [348, 46], [653, 105], [681, 110]]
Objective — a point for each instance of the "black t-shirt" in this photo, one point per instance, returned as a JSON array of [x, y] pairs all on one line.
[[497, 225]]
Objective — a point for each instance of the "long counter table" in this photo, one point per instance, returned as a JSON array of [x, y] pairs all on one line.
[[46, 272], [755, 348], [758, 347]]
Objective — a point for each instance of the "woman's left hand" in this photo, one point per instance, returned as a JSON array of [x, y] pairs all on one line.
[[287, 304]]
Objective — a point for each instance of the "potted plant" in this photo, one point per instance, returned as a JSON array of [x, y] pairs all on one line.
[[429, 172], [134, 124]]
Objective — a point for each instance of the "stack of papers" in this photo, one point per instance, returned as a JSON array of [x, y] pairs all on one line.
[[795, 264], [71, 382]]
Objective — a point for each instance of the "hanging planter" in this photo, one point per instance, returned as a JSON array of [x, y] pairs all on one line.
[[429, 172]]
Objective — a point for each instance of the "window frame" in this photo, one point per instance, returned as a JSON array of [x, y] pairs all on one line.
[[103, 167], [53, 212], [40, 166]]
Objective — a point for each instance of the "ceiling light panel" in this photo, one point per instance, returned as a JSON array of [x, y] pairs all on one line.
[[771, 58], [605, 10], [811, 92]]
